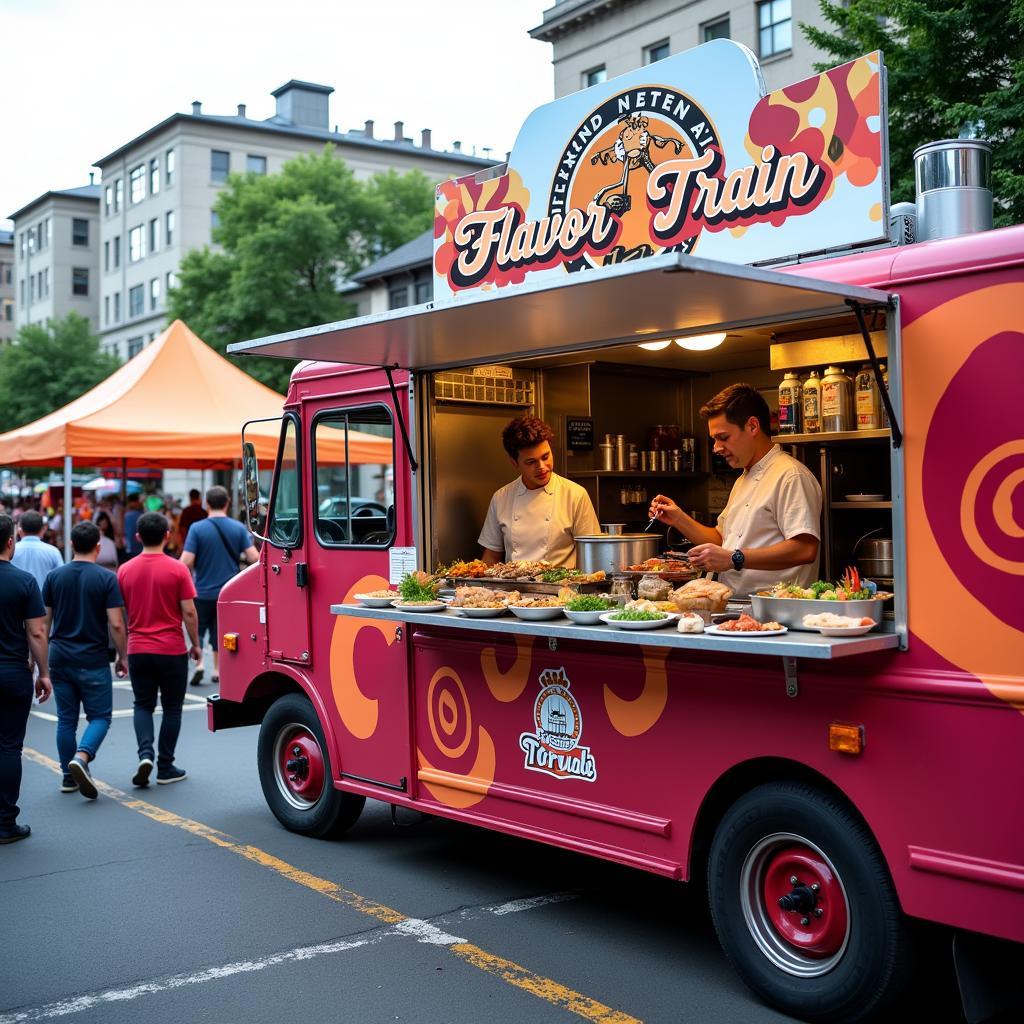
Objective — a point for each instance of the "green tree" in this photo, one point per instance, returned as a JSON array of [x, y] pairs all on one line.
[[286, 241], [951, 63], [47, 367]]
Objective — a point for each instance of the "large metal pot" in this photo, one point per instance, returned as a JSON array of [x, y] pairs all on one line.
[[612, 552], [874, 556]]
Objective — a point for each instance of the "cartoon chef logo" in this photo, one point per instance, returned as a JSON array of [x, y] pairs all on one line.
[[612, 154], [553, 746]]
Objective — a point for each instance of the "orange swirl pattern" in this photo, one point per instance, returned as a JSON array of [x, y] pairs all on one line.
[[451, 727], [509, 685], [358, 713], [1002, 506], [635, 717], [944, 613]]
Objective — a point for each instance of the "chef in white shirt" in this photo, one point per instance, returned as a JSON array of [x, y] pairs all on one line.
[[770, 528], [538, 516]]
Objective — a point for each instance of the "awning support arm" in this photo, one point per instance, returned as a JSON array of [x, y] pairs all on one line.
[[894, 427], [401, 418]]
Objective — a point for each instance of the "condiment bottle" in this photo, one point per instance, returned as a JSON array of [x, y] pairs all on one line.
[[836, 401], [812, 403], [790, 404], [868, 402], [885, 384]]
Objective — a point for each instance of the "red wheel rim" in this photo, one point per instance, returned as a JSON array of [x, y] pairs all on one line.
[[814, 916], [300, 766]]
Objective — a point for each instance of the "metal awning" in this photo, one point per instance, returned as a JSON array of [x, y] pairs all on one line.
[[669, 295]]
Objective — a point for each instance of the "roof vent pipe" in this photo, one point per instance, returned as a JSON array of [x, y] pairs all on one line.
[[903, 223], [399, 131], [368, 129], [954, 188], [457, 146], [197, 107], [425, 138], [241, 110]]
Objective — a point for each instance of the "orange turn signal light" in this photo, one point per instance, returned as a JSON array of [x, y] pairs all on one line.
[[230, 641], [845, 738]]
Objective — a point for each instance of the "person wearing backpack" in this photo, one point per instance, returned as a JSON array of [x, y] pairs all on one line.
[[213, 550]]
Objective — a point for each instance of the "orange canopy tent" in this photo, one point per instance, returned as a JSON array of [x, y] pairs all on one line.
[[177, 404]]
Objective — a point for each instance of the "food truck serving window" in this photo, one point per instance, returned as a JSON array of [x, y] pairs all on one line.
[[285, 511], [354, 460]]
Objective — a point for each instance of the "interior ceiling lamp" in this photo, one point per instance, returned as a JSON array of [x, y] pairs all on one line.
[[655, 346], [701, 342]]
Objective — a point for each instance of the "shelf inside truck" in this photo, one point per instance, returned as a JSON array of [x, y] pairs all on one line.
[[793, 644]]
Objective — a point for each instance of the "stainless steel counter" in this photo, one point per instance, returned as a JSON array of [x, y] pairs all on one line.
[[788, 645]]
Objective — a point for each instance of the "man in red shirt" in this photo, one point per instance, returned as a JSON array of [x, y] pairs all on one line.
[[158, 596], [192, 513]]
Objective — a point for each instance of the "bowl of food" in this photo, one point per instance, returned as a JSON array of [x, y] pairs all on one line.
[[789, 603], [637, 618], [377, 598], [537, 609], [702, 597], [479, 602], [587, 609]]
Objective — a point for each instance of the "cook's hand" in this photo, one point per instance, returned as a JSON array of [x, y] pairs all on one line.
[[710, 557], [664, 510], [43, 688]]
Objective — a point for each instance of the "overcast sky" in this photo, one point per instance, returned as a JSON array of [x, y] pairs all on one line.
[[82, 78]]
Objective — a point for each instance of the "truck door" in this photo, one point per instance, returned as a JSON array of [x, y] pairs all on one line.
[[287, 569]]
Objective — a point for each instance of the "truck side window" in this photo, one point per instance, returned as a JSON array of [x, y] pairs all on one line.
[[355, 477], [285, 521]]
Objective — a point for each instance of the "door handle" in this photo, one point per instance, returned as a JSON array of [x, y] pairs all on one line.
[[301, 574]]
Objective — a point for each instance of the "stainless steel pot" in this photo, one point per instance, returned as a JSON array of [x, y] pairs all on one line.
[[872, 568], [874, 556], [611, 552], [616, 528]]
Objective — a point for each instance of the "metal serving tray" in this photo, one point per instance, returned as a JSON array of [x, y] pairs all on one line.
[[790, 611]]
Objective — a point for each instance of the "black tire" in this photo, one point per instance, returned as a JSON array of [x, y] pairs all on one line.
[[322, 814], [849, 981]]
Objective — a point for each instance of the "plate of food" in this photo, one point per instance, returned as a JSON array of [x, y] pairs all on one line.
[[419, 606], [537, 609], [479, 602], [746, 625], [637, 618], [864, 497], [830, 624], [587, 609], [377, 598]]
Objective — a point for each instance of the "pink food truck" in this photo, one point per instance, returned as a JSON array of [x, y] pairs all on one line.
[[651, 240]]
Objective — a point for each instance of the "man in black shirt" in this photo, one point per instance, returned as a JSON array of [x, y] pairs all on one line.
[[83, 601], [22, 625]]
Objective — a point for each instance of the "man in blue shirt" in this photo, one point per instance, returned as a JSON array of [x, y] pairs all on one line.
[[22, 626], [32, 554], [213, 548], [83, 601]]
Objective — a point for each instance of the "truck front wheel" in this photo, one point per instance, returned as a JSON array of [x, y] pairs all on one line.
[[804, 906], [295, 772]]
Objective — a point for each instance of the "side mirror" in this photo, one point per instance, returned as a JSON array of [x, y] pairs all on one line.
[[255, 508]]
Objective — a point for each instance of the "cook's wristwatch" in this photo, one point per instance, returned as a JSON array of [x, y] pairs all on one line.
[[737, 560]]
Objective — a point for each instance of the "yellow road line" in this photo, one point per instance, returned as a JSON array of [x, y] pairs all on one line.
[[514, 974]]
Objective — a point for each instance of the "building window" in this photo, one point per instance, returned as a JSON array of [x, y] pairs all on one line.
[[775, 27], [45, 229], [424, 291], [117, 251], [106, 309], [8, 310], [657, 51], [154, 176], [108, 199], [256, 164], [22, 244], [154, 294], [31, 287], [154, 234], [214, 219], [134, 346], [106, 257], [137, 184], [136, 245], [398, 297], [172, 280], [21, 291], [169, 168], [46, 282], [169, 228], [79, 281], [79, 231], [595, 76], [117, 307], [715, 30], [220, 165], [118, 194], [136, 300]]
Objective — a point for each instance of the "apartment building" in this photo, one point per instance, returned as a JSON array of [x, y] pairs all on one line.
[[6, 287], [159, 189], [55, 256], [597, 39]]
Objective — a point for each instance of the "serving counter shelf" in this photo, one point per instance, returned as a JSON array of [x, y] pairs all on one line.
[[789, 645]]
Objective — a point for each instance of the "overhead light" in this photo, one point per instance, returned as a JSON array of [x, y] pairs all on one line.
[[656, 346], [701, 342]]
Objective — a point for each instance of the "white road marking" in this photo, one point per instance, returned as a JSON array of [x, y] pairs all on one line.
[[515, 906], [423, 931], [119, 713]]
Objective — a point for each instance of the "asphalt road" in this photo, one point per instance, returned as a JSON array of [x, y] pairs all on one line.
[[190, 903]]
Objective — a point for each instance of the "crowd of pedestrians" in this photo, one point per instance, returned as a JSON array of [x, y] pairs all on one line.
[[122, 602]]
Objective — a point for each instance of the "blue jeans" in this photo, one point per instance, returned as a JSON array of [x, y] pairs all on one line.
[[91, 689]]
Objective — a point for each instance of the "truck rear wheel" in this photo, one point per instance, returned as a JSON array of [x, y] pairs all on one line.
[[295, 772], [804, 906]]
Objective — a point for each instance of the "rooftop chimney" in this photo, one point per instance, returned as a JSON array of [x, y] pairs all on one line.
[[91, 176], [197, 108], [241, 110], [425, 138], [368, 129], [954, 188], [399, 131], [303, 104], [457, 146]]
